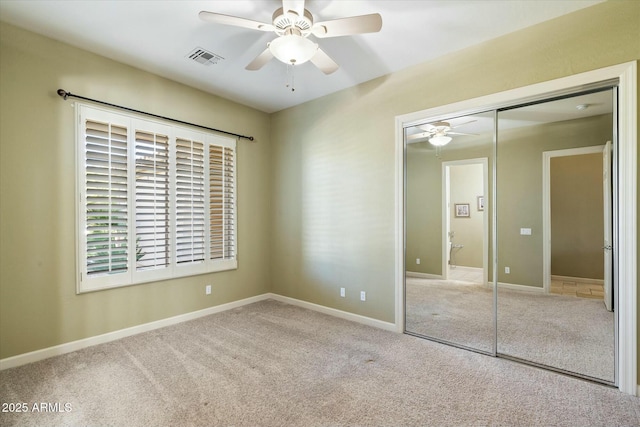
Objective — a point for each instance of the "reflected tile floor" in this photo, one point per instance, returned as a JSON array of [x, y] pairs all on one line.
[[467, 274], [577, 288], [585, 288]]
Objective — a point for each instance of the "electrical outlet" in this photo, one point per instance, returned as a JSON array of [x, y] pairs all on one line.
[[507, 270], [418, 261], [207, 290], [342, 292], [363, 296]]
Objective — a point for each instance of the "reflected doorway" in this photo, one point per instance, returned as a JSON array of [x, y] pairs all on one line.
[[465, 248], [578, 213]]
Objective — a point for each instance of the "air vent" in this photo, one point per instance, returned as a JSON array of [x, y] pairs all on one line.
[[204, 57]]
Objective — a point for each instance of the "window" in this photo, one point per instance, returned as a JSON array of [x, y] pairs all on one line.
[[157, 201]]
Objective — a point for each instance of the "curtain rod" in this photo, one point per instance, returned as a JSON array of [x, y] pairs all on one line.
[[64, 95]]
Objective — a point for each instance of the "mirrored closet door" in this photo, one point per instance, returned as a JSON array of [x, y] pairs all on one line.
[[555, 296], [449, 166], [551, 300]]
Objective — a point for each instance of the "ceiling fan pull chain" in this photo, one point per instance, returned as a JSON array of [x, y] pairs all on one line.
[[290, 77]]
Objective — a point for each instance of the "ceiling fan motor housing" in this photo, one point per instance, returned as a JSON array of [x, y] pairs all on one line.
[[442, 127], [285, 21]]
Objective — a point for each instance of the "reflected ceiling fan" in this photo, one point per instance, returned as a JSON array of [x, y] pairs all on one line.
[[293, 24], [437, 133]]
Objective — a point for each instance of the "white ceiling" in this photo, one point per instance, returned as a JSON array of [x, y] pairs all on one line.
[[157, 36]]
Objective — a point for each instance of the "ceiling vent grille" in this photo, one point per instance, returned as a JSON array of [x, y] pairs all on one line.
[[204, 57]]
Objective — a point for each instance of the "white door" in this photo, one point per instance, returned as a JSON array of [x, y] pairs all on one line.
[[607, 247]]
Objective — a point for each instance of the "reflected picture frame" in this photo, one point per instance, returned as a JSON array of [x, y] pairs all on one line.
[[462, 210]]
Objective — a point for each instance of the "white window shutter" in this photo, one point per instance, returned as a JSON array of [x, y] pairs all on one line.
[[152, 211], [190, 201], [106, 210], [229, 203], [222, 202]]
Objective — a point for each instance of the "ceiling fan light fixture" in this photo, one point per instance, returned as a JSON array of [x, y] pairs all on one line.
[[440, 140], [293, 49]]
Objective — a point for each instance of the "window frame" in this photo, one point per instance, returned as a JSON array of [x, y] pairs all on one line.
[[134, 274]]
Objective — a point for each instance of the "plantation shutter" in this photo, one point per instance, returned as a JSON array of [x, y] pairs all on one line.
[[155, 201], [152, 221], [106, 198], [190, 201], [222, 202]]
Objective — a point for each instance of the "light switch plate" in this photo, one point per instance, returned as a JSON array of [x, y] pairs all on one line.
[[525, 231]]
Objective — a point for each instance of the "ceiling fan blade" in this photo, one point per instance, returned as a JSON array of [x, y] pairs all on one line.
[[462, 124], [324, 62], [218, 18], [295, 5], [260, 60], [427, 128], [347, 26], [460, 133], [420, 135]]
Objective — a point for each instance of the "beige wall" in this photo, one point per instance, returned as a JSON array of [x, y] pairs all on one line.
[[423, 211], [38, 304], [577, 216]]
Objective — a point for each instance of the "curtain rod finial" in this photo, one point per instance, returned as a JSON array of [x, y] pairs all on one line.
[[63, 93]]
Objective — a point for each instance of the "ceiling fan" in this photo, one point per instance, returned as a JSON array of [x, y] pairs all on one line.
[[293, 24], [437, 133]]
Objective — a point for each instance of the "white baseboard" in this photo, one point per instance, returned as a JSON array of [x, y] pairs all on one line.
[[45, 353], [465, 268], [423, 275], [336, 313], [577, 279], [521, 288]]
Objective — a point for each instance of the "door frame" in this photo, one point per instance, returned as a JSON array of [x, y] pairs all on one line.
[[625, 221], [446, 213], [546, 203]]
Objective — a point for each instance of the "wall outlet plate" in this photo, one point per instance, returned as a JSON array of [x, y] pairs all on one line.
[[342, 292], [363, 296], [207, 290]]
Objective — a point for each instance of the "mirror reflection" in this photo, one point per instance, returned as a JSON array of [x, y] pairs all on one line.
[[553, 283], [448, 175], [554, 219]]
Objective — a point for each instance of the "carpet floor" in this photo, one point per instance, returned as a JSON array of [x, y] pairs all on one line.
[[274, 364], [570, 333]]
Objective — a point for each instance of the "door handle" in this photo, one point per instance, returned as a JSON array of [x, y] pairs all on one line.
[[607, 247]]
